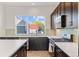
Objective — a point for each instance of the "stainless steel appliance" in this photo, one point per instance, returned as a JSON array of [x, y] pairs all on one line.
[[51, 45]]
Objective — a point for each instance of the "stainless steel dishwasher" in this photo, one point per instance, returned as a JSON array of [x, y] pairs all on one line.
[[51, 45]]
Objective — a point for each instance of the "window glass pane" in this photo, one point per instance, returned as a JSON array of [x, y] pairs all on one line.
[[34, 24], [21, 30]]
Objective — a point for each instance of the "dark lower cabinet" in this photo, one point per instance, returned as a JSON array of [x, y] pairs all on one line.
[[38, 43], [59, 53], [22, 52]]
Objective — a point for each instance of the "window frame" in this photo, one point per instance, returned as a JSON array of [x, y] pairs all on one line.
[[28, 33]]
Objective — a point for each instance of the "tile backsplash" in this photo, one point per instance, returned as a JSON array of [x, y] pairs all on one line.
[[11, 32], [74, 32], [59, 33]]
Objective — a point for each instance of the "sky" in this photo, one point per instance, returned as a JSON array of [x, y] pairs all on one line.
[[30, 19]]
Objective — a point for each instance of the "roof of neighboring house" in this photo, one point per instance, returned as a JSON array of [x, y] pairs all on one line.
[[22, 22], [34, 26]]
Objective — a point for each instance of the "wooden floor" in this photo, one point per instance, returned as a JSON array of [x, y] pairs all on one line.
[[38, 54]]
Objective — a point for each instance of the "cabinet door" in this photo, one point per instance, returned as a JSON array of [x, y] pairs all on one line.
[[52, 22], [56, 15], [62, 4], [59, 10], [38, 43], [22, 52], [53, 17], [68, 13], [59, 53], [75, 14]]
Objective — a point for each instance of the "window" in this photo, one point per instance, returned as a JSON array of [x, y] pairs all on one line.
[[30, 24]]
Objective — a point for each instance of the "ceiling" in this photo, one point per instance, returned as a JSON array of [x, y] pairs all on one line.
[[29, 3]]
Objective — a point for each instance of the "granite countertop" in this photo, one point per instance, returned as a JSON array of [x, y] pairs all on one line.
[[69, 48], [20, 37], [9, 47]]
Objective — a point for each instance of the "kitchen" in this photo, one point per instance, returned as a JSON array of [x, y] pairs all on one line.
[[58, 37]]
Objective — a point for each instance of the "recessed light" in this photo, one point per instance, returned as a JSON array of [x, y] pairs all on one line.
[[33, 3]]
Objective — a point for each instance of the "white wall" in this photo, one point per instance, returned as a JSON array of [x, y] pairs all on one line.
[[2, 32], [11, 12]]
